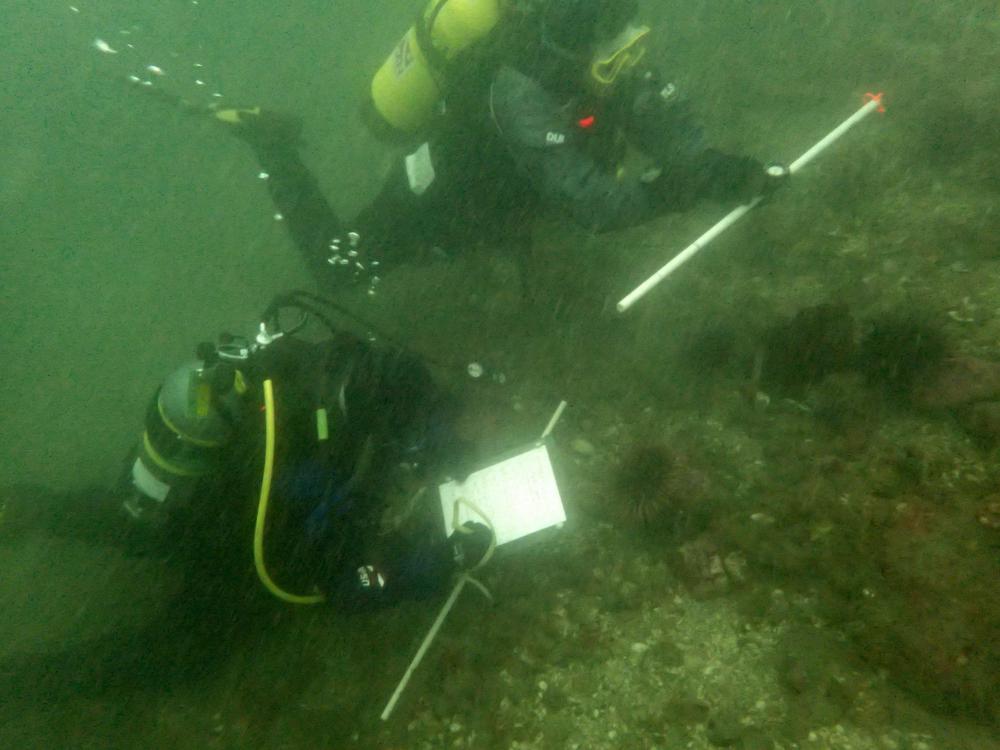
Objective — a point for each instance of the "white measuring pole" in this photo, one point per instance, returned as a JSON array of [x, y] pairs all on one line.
[[555, 419], [738, 213], [426, 644], [459, 585], [874, 104]]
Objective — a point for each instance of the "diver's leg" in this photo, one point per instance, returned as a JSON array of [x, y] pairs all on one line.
[[392, 229], [305, 211], [403, 224], [93, 515], [394, 224], [190, 638]]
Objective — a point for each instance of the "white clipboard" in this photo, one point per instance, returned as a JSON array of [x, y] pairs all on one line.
[[518, 494]]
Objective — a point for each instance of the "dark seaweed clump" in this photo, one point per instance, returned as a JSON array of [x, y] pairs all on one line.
[[898, 349], [818, 341], [710, 349]]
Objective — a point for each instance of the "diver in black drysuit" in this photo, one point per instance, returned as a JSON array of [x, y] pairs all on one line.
[[387, 423], [520, 132]]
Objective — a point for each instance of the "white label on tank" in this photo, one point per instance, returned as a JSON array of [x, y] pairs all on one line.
[[147, 484], [402, 57], [420, 169]]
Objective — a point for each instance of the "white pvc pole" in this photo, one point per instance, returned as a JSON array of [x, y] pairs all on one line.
[[453, 597], [738, 213], [684, 255], [428, 639], [555, 419], [808, 156]]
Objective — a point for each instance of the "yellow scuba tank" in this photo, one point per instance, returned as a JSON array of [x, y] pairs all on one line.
[[408, 86]]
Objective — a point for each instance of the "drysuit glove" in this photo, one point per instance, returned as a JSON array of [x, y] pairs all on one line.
[[358, 589], [470, 543]]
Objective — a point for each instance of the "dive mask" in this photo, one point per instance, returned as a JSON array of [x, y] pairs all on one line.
[[619, 54]]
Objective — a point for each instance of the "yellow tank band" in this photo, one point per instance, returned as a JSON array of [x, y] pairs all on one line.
[[164, 463], [183, 435]]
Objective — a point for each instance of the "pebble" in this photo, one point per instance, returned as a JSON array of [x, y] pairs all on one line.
[[583, 446], [724, 728], [735, 565]]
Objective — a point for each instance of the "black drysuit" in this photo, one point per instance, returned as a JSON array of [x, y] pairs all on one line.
[[507, 149], [323, 527]]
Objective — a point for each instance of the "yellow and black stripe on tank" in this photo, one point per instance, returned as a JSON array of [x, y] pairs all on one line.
[[185, 430], [173, 453]]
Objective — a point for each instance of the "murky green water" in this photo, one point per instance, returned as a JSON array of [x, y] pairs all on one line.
[[853, 538]]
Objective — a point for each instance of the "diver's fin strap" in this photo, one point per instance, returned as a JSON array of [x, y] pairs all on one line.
[[235, 115]]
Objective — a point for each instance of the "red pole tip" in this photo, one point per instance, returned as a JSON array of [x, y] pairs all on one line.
[[870, 97]]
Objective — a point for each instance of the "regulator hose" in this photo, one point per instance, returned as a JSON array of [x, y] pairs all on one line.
[[265, 496]]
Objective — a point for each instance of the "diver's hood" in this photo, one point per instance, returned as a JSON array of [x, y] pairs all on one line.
[[574, 27]]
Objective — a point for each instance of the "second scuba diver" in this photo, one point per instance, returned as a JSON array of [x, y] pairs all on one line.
[[271, 458], [505, 106]]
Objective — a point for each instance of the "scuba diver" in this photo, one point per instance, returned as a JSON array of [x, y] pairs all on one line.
[[331, 428], [505, 107], [274, 458]]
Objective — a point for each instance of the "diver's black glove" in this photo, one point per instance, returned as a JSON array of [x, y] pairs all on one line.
[[765, 181], [777, 176], [470, 543]]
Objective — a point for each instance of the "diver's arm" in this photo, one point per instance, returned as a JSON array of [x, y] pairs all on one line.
[[597, 200], [542, 143], [660, 123], [405, 568], [93, 515]]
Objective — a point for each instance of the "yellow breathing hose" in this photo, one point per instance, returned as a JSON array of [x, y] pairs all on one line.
[[265, 496]]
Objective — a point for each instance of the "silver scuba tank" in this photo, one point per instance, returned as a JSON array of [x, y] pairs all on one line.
[[189, 422]]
